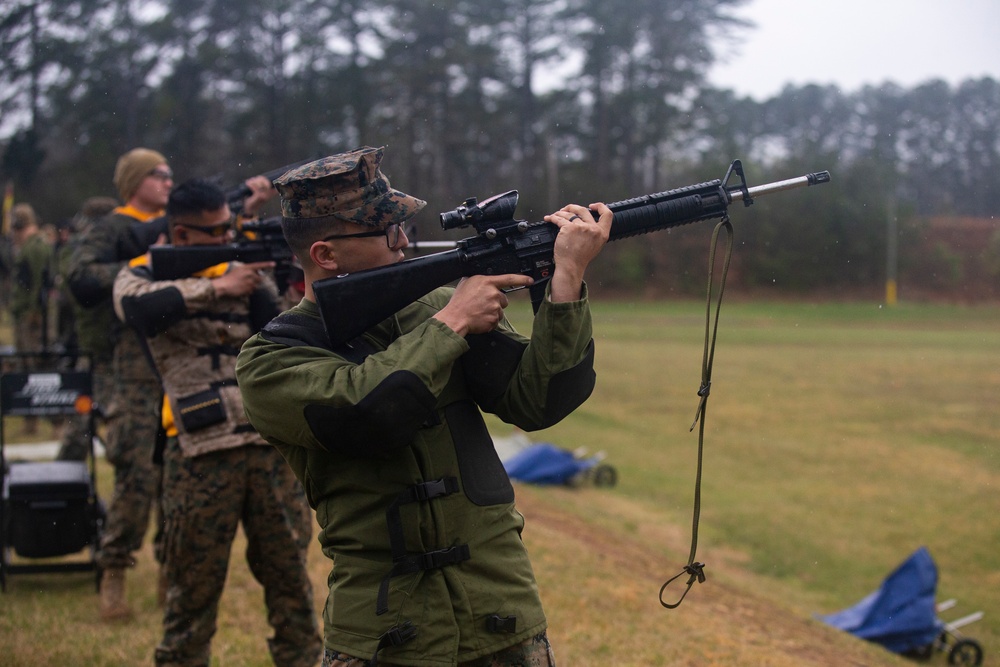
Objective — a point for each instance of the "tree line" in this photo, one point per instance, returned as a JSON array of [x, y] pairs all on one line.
[[564, 100]]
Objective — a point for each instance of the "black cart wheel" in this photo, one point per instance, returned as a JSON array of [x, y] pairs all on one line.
[[966, 652], [605, 475], [920, 654]]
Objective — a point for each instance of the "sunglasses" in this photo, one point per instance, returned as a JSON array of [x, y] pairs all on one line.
[[215, 231], [391, 234]]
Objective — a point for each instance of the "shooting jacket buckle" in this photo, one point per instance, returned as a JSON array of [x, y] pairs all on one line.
[[430, 560], [394, 636], [502, 624], [433, 560], [434, 489], [401, 562]]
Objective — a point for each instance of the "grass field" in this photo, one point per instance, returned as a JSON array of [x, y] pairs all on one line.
[[840, 437]]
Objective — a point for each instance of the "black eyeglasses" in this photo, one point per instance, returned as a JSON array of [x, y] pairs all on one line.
[[391, 234]]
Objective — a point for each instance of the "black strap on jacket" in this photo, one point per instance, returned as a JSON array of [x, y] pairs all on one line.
[[294, 330], [216, 352], [403, 563], [228, 318], [394, 636]]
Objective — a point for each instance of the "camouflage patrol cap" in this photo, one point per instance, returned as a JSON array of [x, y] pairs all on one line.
[[348, 186]]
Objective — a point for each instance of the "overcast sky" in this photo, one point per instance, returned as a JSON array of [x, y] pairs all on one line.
[[851, 43]]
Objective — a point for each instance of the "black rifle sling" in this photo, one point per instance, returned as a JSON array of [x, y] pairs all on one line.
[[694, 569]]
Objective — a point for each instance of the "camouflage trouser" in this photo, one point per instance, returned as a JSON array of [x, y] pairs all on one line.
[[28, 339], [77, 436], [205, 498], [533, 652], [73, 445], [29, 331], [132, 423]]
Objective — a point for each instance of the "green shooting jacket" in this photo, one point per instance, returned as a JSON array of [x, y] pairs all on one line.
[[415, 509]]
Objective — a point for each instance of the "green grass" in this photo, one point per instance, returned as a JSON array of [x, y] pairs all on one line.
[[839, 438]]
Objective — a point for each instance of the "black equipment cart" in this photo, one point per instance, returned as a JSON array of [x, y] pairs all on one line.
[[50, 509]]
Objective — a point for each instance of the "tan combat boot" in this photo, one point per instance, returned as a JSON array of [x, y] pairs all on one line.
[[114, 606]]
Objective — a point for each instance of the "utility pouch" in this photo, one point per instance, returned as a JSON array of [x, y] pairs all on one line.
[[201, 410]]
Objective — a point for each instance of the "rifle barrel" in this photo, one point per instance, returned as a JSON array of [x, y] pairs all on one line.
[[814, 178], [352, 303]]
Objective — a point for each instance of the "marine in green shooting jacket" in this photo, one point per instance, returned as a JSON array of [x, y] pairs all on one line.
[[366, 445], [386, 432]]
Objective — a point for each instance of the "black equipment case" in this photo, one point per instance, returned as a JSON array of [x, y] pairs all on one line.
[[49, 509]]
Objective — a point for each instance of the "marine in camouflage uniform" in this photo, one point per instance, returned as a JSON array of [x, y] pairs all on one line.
[[29, 292], [32, 280], [90, 329], [132, 412], [416, 511], [218, 473]]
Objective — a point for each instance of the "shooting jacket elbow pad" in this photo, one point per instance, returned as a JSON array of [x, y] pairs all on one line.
[[569, 389], [383, 421], [152, 314], [492, 361]]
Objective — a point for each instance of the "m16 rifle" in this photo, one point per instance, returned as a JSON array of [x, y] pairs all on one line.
[[260, 241], [352, 303]]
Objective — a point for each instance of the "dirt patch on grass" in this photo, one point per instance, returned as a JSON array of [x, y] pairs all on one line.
[[600, 582]]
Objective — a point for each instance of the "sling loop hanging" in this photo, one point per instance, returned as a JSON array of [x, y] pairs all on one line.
[[696, 570]]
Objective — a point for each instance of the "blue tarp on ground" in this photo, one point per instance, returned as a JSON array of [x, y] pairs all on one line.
[[544, 463], [901, 615]]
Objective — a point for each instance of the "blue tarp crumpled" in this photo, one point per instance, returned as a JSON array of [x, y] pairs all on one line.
[[901, 615], [544, 463]]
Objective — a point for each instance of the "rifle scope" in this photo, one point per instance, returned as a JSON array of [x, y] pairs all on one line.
[[497, 208]]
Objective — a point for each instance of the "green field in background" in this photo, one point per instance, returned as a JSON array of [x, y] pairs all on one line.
[[839, 439]]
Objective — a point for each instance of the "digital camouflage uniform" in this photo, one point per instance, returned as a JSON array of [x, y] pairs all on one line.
[[29, 297], [29, 306], [218, 473], [89, 336], [6, 272], [132, 411], [92, 330]]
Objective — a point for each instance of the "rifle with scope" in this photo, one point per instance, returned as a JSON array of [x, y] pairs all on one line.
[[352, 303], [260, 241]]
